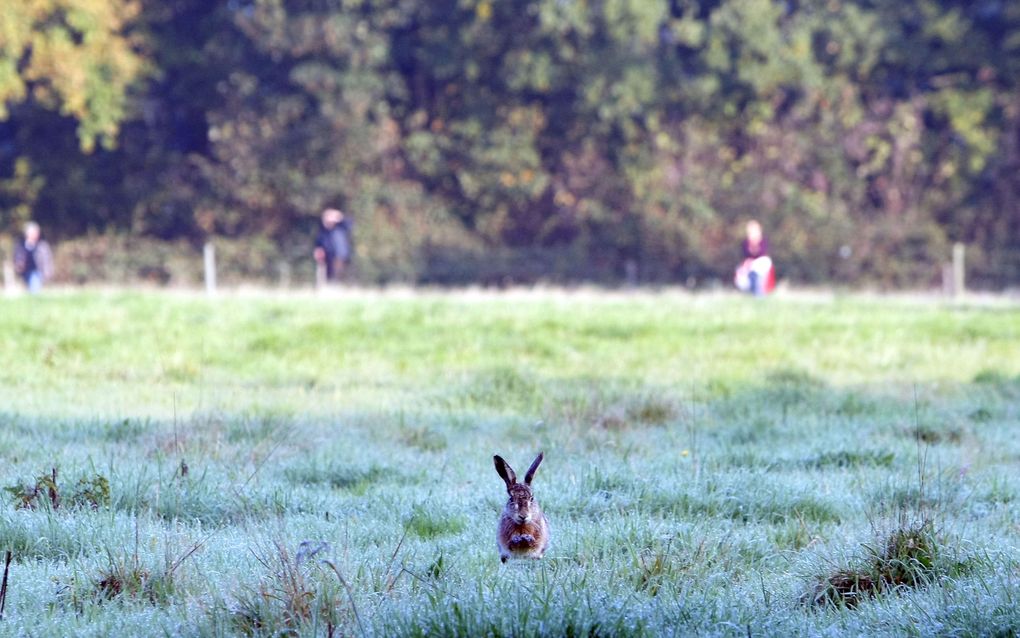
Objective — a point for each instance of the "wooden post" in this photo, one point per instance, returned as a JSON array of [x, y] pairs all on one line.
[[959, 281], [209, 257], [3, 584]]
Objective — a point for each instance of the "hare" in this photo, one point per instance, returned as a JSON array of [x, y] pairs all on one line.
[[523, 530]]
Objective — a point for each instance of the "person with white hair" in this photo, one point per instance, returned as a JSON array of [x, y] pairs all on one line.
[[333, 247], [756, 273], [33, 259]]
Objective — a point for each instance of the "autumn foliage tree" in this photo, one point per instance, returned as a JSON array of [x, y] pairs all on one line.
[[71, 56], [75, 59]]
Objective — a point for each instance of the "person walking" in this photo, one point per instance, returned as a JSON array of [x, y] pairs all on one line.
[[333, 247], [33, 259]]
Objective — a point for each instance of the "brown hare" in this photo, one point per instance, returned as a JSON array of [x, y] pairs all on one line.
[[523, 530]]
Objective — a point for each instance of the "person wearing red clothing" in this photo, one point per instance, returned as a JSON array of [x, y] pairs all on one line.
[[756, 273]]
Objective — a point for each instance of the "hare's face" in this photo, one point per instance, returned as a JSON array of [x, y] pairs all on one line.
[[521, 506]]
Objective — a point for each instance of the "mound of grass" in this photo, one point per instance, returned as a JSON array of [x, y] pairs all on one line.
[[909, 558]]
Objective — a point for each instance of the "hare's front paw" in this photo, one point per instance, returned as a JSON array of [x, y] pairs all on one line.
[[521, 541]]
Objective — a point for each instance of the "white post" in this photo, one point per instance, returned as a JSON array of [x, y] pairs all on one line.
[[9, 285], [947, 280], [630, 270], [959, 281], [284, 274], [209, 257], [320, 275]]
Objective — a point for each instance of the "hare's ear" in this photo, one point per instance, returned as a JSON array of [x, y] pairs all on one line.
[[531, 470], [504, 470]]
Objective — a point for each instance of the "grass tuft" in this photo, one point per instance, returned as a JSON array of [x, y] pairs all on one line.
[[845, 588], [908, 558], [90, 492], [122, 577], [981, 415], [658, 567], [502, 388], [987, 376], [850, 459], [651, 409], [338, 476], [119, 579], [427, 523], [932, 434], [296, 595], [423, 438]]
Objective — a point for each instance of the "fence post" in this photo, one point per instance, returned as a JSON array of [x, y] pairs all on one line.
[[959, 281], [284, 269], [209, 258], [630, 273], [947, 280], [9, 286]]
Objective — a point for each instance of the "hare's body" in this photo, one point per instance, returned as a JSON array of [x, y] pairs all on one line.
[[523, 530], [522, 540]]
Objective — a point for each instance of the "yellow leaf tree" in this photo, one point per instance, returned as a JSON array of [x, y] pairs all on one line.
[[75, 56]]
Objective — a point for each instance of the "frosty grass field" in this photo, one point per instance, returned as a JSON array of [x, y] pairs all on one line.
[[714, 465]]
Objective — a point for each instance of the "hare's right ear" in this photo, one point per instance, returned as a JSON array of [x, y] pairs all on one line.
[[530, 474], [504, 470]]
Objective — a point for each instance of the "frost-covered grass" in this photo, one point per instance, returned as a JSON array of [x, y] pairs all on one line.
[[311, 466]]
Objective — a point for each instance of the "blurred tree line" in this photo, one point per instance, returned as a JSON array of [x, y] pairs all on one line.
[[519, 140]]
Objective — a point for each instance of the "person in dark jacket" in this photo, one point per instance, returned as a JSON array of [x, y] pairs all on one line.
[[333, 247], [33, 260]]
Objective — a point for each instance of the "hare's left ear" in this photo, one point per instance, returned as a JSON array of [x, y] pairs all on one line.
[[505, 471], [530, 474]]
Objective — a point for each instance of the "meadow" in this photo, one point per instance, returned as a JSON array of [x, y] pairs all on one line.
[[714, 465]]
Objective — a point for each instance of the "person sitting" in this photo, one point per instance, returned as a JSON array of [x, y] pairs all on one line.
[[755, 274]]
